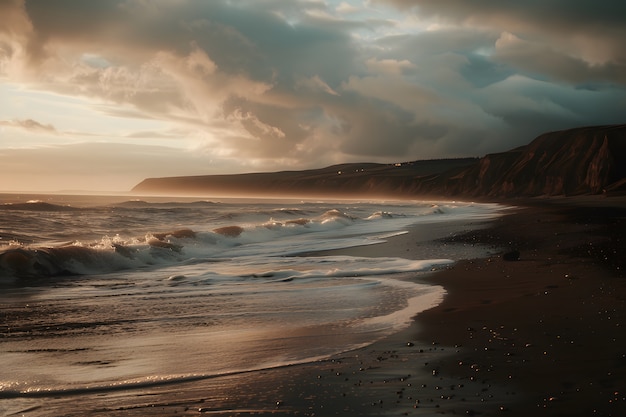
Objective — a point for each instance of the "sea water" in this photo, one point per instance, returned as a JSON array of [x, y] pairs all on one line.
[[112, 293]]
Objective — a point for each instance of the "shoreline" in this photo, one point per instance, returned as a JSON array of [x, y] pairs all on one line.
[[538, 335], [541, 335], [551, 323]]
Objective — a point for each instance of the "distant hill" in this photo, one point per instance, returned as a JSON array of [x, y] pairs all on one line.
[[589, 160], [353, 179]]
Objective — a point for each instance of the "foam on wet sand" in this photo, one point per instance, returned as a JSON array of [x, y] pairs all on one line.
[[541, 335]]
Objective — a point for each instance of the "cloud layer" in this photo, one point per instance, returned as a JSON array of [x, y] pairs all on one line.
[[271, 84]]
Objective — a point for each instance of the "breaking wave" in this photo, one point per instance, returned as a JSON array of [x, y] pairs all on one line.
[[216, 231], [36, 205]]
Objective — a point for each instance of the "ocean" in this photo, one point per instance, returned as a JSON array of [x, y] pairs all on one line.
[[109, 293]]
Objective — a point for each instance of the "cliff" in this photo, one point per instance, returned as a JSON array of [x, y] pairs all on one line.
[[354, 179], [589, 160]]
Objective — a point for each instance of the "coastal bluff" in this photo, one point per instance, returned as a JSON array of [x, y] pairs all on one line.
[[582, 161], [579, 161]]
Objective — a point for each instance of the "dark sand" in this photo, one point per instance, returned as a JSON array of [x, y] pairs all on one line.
[[549, 326], [541, 335]]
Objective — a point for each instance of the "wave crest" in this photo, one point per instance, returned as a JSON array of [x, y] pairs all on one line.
[[36, 205]]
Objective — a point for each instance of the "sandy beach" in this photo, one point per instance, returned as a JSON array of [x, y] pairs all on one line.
[[548, 326], [536, 332], [539, 335], [536, 329]]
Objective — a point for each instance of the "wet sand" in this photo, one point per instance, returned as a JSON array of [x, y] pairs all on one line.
[[550, 325], [537, 328], [539, 335]]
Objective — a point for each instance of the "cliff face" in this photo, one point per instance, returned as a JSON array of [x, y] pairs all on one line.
[[590, 160]]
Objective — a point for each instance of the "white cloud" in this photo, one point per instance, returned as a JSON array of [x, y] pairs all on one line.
[[347, 8], [315, 83], [272, 84]]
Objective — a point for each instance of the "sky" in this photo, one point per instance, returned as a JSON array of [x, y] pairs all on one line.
[[98, 95]]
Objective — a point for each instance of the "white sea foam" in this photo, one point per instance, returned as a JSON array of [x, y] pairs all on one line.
[[231, 230], [130, 293]]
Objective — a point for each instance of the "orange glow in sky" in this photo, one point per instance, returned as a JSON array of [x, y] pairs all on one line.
[[100, 95]]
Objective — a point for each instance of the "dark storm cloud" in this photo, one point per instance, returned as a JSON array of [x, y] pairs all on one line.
[[544, 60], [560, 15], [245, 37], [564, 23], [543, 106], [300, 84], [530, 66]]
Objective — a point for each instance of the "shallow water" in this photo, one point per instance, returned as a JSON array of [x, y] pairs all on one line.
[[103, 293]]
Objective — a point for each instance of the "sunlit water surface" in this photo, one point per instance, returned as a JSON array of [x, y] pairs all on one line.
[[107, 293]]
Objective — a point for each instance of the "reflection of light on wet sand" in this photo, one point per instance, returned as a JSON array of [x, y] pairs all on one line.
[[428, 298], [260, 332], [75, 361]]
